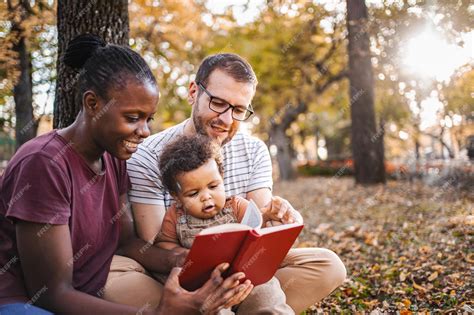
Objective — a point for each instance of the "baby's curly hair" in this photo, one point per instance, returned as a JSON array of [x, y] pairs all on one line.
[[186, 154]]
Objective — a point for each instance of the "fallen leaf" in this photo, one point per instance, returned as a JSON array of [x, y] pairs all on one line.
[[405, 312], [403, 276], [418, 287], [469, 220], [305, 244], [438, 268], [470, 258], [371, 303], [468, 309], [425, 250], [321, 228], [371, 239], [455, 275], [406, 302], [433, 276]]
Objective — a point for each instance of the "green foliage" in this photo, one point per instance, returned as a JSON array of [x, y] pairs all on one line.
[[285, 48], [171, 36], [458, 95]]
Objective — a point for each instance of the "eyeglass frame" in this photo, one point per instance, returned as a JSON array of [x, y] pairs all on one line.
[[249, 108]]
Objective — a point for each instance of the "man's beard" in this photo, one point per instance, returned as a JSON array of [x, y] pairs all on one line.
[[200, 127]]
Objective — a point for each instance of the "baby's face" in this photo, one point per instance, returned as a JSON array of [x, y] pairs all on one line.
[[202, 191]]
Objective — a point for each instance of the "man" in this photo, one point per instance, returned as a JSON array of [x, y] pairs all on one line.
[[221, 98]]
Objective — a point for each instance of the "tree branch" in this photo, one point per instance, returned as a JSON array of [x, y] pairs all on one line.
[[332, 79]]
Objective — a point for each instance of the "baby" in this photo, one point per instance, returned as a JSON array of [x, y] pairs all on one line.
[[192, 171]]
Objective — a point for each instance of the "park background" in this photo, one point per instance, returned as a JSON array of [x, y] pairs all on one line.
[[366, 106]]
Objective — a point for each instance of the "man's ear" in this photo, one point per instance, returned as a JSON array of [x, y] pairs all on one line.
[[90, 102], [193, 93]]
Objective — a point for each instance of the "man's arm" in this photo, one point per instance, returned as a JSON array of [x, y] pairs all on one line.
[[260, 183], [146, 193], [148, 219], [261, 196]]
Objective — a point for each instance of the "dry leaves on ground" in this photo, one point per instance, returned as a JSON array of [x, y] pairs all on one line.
[[407, 247]]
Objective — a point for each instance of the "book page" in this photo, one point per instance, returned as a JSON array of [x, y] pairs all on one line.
[[272, 229], [229, 227], [252, 216]]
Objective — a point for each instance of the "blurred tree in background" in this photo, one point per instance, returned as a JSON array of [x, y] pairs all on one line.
[[366, 140], [299, 52], [298, 55], [24, 26]]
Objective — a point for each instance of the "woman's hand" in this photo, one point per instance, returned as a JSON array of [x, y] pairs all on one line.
[[213, 296], [179, 255], [279, 209]]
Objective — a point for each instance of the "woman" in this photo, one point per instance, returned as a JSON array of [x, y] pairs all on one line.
[[63, 207]]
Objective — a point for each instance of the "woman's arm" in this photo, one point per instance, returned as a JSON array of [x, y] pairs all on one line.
[[213, 296], [148, 255], [167, 245], [47, 268]]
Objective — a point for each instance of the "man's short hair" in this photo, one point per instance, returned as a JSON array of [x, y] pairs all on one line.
[[186, 154], [234, 65]]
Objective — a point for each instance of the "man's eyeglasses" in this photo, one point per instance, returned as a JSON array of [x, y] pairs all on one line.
[[220, 106]]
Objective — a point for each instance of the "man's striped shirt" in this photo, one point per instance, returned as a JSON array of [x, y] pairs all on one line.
[[247, 167]]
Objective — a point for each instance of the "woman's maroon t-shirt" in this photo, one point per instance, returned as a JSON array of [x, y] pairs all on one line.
[[48, 182]]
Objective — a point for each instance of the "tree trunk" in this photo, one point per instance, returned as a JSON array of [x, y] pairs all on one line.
[[445, 145], [106, 18], [367, 143], [316, 141], [26, 125], [284, 155]]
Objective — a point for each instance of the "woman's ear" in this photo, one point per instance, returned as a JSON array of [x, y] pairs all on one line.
[[90, 103]]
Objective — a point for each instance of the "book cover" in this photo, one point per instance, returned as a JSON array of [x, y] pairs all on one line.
[[256, 251]]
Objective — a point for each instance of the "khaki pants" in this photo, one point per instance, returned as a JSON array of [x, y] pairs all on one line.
[[306, 276]]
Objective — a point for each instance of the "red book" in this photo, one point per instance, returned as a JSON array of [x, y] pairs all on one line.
[[258, 252]]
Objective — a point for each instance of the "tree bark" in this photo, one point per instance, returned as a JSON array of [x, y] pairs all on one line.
[[105, 18], [25, 125], [367, 143]]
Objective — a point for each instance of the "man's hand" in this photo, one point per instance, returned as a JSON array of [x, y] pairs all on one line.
[[279, 209], [213, 296]]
